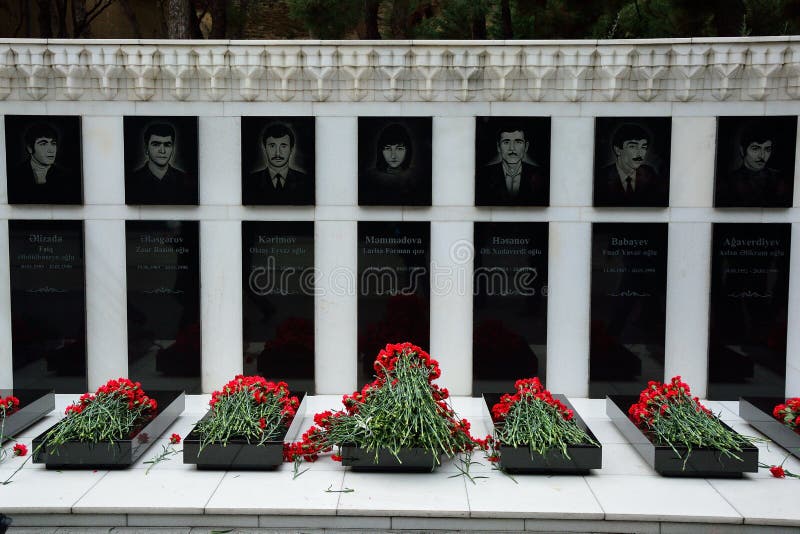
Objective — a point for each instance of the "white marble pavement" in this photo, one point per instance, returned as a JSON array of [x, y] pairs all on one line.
[[623, 496]]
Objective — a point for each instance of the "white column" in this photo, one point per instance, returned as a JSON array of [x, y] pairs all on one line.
[[793, 334], [220, 160], [335, 307], [692, 162], [688, 290], [221, 301], [103, 157], [452, 251], [571, 161], [568, 307], [454, 161], [106, 301], [337, 161], [6, 372]]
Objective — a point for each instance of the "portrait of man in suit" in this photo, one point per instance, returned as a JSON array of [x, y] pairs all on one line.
[[760, 162], [632, 179], [40, 168], [508, 171], [280, 179], [153, 176]]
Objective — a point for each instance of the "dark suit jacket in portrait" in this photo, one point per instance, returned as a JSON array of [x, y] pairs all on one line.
[[650, 189], [60, 187], [259, 190], [534, 188], [745, 188], [175, 187]]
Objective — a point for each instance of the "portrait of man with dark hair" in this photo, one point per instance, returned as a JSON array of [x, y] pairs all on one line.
[[755, 162], [153, 173], [512, 157], [43, 160], [282, 155], [394, 161], [635, 171]]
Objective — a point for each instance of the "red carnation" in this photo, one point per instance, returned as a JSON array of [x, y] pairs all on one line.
[[174, 439], [777, 471], [20, 449]]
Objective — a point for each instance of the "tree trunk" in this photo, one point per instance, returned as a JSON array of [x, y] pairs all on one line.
[[505, 15], [178, 19], [219, 19], [130, 14], [80, 23], [244, 6], [61, 12], [371, 19], [44, 19], [478, 24]]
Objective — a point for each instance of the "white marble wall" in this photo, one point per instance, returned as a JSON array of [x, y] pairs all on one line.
[[336, 214]]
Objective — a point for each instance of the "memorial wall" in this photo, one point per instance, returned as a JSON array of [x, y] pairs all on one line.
[[595, 213]]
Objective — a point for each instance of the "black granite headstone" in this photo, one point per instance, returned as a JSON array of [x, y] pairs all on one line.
[[278, 301], [43, 159], [48, 305], [510, 304], [163, 268], [393, 288], [748, 310], [628, 310]]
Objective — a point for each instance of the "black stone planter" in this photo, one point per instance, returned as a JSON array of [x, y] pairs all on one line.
[[414, 460], [757, 411], [582, 457], [118, 455], [238, 453], [702, 462], [33, 405]]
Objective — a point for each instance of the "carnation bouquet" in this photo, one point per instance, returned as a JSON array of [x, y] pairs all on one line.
[[112, 413], [120, 416], [249, 408], [788, 413], [673, 417], [401, 409], [245, 427], [8, 405], [532, 418]]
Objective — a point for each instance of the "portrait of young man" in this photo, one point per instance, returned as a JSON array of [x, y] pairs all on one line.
[[394, 161], [512, 161], [755, 162], [278, 161], [631, 161], [43, 159], [160, 160]]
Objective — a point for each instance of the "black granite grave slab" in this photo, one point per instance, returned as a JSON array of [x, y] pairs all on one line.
[[163, 273], [48, 305], [628, 310], [748, 310], [509, 303], [393, 288], [278, 301]]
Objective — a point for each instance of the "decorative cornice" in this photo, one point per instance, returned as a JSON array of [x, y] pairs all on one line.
[[388, 71]]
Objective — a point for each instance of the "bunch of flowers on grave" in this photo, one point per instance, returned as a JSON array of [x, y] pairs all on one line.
[[248, 408], [788, 413], [402, 408], [114, 412], [531, 417], [9, 405], [673, 417]]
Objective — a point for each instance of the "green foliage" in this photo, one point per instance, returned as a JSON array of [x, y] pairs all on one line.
[[326, 19], [454, 21]]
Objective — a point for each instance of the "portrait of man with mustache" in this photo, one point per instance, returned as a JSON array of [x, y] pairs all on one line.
[[758, 178], [280, 180], [630, 180], [516, 172]]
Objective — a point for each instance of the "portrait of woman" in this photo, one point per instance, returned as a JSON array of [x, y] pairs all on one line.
[[394, 162]]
